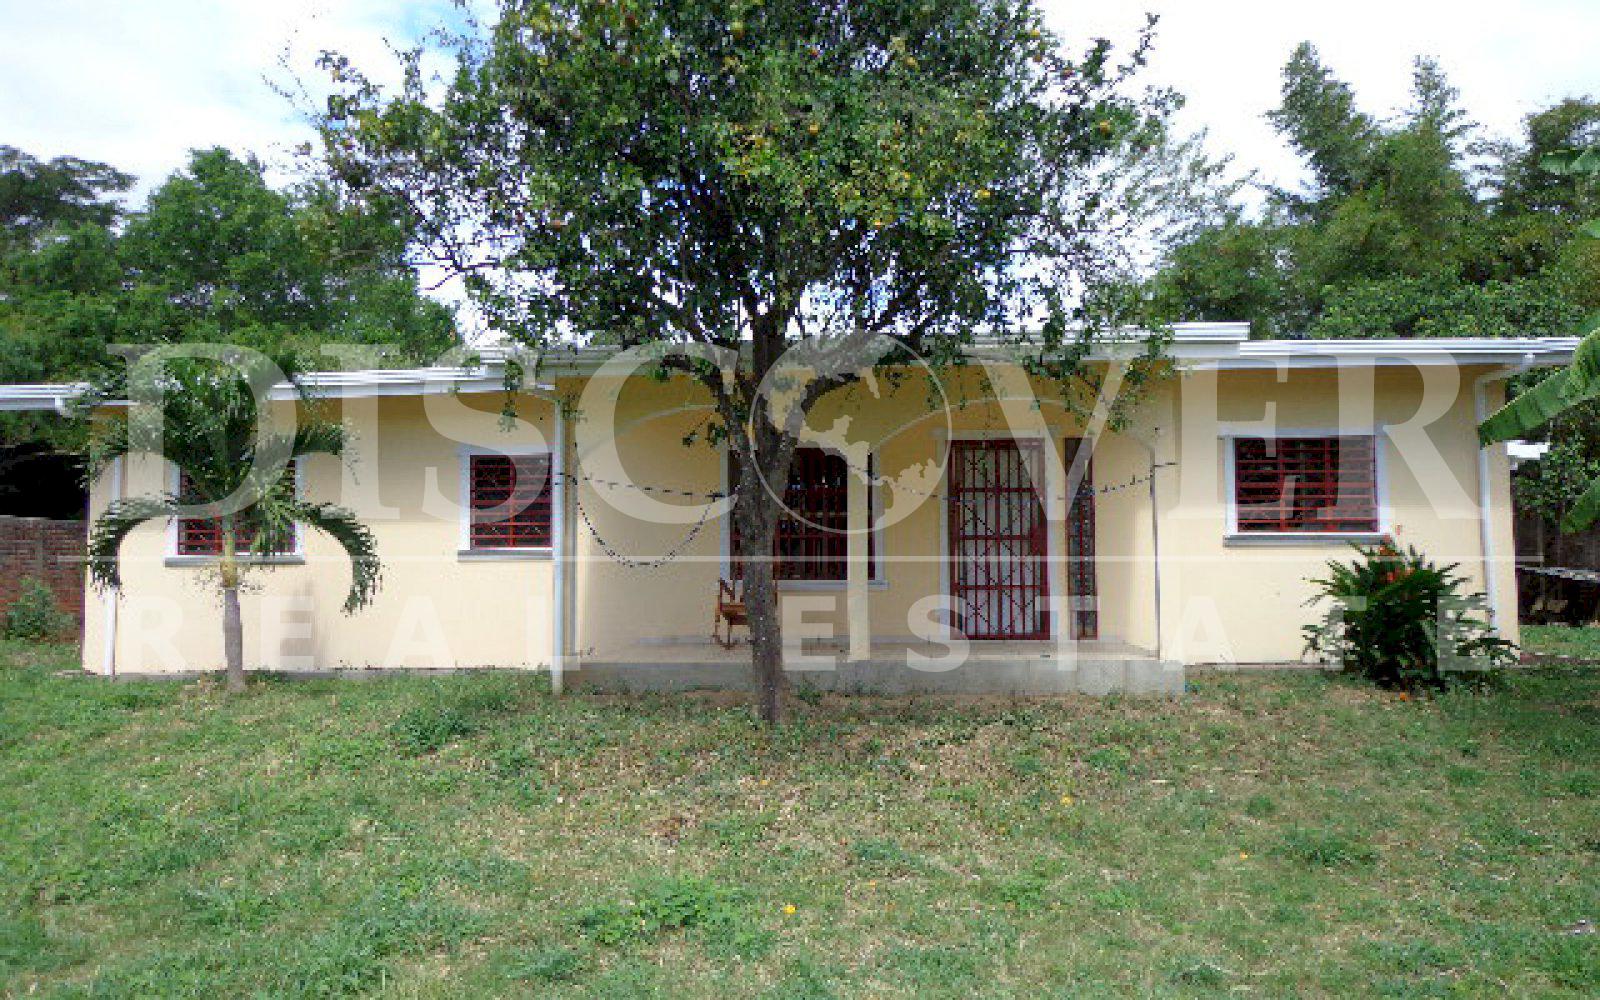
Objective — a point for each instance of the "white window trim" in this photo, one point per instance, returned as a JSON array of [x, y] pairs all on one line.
[[464, 551], [294, 557], [878, 580], [1380, 459]]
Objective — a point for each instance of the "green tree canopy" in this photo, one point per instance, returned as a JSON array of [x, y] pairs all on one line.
[[750, 176], [215, 255], [1411, 225], [37, 197]]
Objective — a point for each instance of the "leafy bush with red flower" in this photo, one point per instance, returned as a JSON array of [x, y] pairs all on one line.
[[1400, 621]]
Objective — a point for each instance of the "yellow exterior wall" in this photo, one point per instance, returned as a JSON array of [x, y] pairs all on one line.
[[1246, 602], [618, 608], [1219, 601], [435, 609]]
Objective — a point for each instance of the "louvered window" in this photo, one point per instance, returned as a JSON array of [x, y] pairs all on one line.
[[510, 502], [1326, 484], [813, 537]]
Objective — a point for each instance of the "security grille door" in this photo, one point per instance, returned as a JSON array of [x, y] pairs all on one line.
[[998, 572], [1081, 581]]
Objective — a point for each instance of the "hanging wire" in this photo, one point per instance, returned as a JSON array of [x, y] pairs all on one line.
[[671, 554], [875, 480], [567, 477], [677, 550]]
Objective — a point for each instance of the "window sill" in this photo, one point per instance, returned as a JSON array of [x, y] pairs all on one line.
[[503, 555], [1249, 539], [285, 560], [825, 585]]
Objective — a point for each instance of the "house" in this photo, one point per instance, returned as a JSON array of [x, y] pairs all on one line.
[[589, 539]]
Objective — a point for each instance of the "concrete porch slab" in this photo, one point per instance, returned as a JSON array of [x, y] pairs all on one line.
[[1016, 668]]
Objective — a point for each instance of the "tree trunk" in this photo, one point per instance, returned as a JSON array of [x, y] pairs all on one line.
[[765, 449], [233, 639], [232, 623], [757, 510], [766, 640]]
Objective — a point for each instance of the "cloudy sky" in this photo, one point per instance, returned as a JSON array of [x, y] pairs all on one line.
[[138, 82]]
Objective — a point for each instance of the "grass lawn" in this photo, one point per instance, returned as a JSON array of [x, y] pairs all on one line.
[[1270, 834], [1562, 640]]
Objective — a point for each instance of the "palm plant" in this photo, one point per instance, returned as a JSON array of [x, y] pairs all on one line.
[[235, 468], [1570, 387], [1401, 621]]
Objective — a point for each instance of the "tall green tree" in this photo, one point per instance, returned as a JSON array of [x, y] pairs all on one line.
[[1411, 225], [752, 176], [202, 417], [37, 197], [1319, 118], [215, 255], [219, 255], [1574, 390]]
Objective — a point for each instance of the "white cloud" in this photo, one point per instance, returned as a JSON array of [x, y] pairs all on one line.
[[139, 82], [1507, 59]]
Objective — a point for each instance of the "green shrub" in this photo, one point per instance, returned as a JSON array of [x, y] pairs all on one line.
[[1327, 848], [34, 616], [662, 904], [1400, 621], [427, 728]]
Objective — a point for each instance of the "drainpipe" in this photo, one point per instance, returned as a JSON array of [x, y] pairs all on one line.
[[1155, 548], [1480, 405], [108, 656], [558, 528], [558, 541]]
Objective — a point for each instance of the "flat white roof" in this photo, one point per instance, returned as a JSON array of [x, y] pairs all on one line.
[[1195, 346]]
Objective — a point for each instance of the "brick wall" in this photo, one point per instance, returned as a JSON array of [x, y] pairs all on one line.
[[52, 551]]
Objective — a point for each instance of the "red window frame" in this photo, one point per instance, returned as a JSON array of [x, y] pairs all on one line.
[[1305, 484], [509, 502], [812, 541], [202, 536]]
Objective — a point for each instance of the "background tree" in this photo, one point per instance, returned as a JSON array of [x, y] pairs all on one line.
[[206, 426], [1410, 226], [55, 224], [216, 255], [1414, 226], [753, 175], [1573, 391], [219, 256], [37, 198]]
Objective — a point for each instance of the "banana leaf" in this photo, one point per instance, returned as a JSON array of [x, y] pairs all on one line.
[[1531, 409], [1584, 511], [1572, 161]]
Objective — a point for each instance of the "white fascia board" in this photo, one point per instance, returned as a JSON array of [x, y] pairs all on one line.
[[1194, 346], [1273, 354], [40, 396], [1210, 333]]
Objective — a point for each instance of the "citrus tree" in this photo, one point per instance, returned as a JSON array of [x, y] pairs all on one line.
[[743, 178], [234, 468]]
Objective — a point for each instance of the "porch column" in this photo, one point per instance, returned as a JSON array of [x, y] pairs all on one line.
[[858, 610]]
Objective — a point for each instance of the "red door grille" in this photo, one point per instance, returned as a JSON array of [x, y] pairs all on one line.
[[999, 577], [1081, 581]]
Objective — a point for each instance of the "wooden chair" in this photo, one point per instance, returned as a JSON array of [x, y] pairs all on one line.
[[730, 611]]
